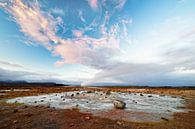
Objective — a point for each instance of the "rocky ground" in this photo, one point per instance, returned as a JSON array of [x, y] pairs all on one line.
[[19, 116]]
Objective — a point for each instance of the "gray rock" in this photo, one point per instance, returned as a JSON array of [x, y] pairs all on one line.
[[165, 119], [118, 104]]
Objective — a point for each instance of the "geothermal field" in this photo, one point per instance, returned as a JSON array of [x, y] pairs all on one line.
[[96, 107], [100, 102]]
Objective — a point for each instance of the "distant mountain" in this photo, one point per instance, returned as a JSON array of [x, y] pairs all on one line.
[[24, 83]]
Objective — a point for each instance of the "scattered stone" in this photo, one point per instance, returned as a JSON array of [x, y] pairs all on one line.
[[71, 125], [141, 94], [108, 92], [161, 95], [35, 101], [25, 106], [15, 110], [28, 114], [77, 105], [134, 101], [42, 100], [89, 91], [181, 107], [72, 95], [16, 101], [165, 119], [61, 96], [149, 96], [87, 118], [63, 99], [15, 121], [119, 123], [78, 93], [118, 104], [87, 102]]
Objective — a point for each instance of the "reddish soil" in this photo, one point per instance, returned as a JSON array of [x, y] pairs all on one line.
[[17, 116]]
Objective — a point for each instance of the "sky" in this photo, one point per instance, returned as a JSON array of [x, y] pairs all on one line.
[[98, 42]]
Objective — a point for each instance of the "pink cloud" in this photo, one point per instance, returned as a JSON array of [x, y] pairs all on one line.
[[42, 27], [78, 51], [77, 33], [93, 4], [35, 24]]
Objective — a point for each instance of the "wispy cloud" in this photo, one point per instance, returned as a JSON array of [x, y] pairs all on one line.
[[120, 4], [58, 11], [42, 28], [8, 64], [39, 26], [81, 16]]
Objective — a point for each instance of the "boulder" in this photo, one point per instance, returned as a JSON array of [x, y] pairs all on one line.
[[118, 104]]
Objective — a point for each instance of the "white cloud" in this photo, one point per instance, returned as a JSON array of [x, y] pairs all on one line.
[[164, 55], [18, 72]]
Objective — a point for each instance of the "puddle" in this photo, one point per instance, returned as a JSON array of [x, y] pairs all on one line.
[[139, 107]]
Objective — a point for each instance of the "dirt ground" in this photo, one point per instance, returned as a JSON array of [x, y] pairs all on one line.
[[18, 116]]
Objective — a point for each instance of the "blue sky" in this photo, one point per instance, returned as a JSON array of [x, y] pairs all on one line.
[[98, 42]]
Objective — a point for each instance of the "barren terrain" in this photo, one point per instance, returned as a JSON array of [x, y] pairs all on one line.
[[22, 116]]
